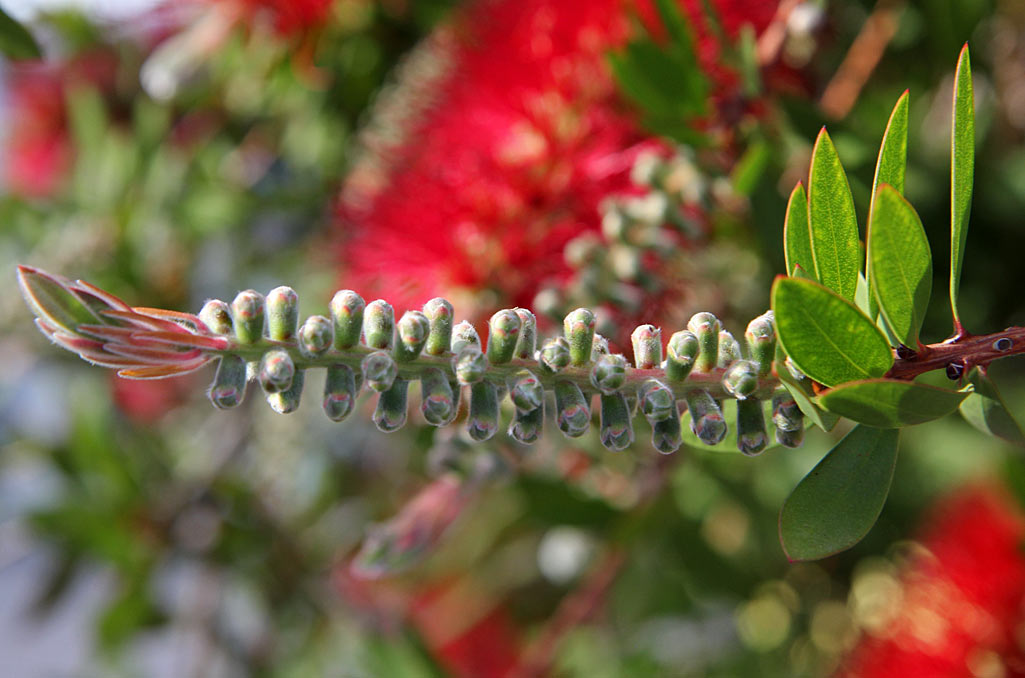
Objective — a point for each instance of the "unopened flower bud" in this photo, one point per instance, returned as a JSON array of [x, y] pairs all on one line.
[[526, 343], [647, 343], [287, 401], [741, 379], [572, 412], [729, 349], [706, 419], [217, 316], [656, 401], [339, 392], [229, 385], [379, 371], [681, 354], [379, 324], [316, 335], [437, 402], [439, 313], [751, 436], [792, 369], [761, 342], [578, 329], [616, 428], [665, 435], [526, 426], [390, 412], [482, 422], [706, 327], [413, 329], [465, 335], [282, 313], [527, 393], [276, 371], [347, 313], [503, 333], [469, 365], [555, 354], [599, 347], [791, 439], [609, 373], [786, 414], [247, 315]]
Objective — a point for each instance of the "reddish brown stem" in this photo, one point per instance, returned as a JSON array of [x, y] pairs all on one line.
[[963, 350]]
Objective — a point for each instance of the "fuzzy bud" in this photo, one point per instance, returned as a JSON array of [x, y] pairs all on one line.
[[526, 343], [470, 365], [599, 347], [791, 439], [647, 343], [578, 329], [390, 413], [287, 401], [464, 335], [729, 349], [761, 342], [706, 420], [379, 325], [347, 313], [339, 392], [247, 315], [503, 333], [656, 401], [282, 313], [665, 435], [276, 371], [681, 353], [616, 428], [555, 354], [527, 393], [482, 422], [792, 369], [413, 330], [571, 409], [437, 402], [526, 426], [741, 379], [379, 371], [609, 373], [786, 414], [229, 385], [751, 436], [706, 328], [439, 313], [217, 316], [316, 335]]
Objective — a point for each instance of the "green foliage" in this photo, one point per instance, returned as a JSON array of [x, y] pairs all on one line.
[[962, 170], [986, 410], [890, 403], [832, 222], [797, 234], [16, 42]]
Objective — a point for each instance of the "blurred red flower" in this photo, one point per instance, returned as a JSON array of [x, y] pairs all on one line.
[[289, 17]]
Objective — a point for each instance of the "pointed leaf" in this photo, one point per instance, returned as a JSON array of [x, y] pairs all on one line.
[[163, 371], [49, 297], [898, 252], [837, 503], [796, 233], [15, 40], [834, 225], [986, 410], [890, 403], [826, 336], [182, 340], [962, 168], [891, 166]]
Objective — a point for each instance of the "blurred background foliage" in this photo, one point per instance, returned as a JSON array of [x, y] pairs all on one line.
[[633, 157]]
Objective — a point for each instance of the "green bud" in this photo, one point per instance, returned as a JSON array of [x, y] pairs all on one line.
[[656, 401], [379, 325], [282, 313], [741, 379], [316, 335], [616, 428], [464, 335], [276, 371], [347, 313], [526, 426], [504, 331], [413, 330], [229, 385], [665, 435], [287, 401], [706, 328], [761, 342], [572, 412], [681, 354], [439, 313], [247, 314], [609, 373], [390, 413], [555, 354], [437, 403], [470, 365], [792, 369], [706, 420], [729, 349], [526, 343], [599, 348], [647, 343], [791, 439], [578, 329], [339, 392], [217, 316], [379, 371], [482, 422], [786, 414], [751, 436], [527, 393]]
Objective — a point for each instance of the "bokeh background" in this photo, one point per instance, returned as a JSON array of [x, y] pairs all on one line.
[[631, 156]]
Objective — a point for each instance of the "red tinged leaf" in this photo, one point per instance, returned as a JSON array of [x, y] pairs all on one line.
[[81, 287], [109, 333], [197, 341], [186, 321], [143, 322], [162, 371], [152, 355]]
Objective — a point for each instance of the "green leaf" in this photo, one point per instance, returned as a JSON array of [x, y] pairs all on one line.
[[797, 234], [837, 503], [891, 166], [890, 403], [16, 42], [962, 168], [986, 410], [826, 336], [834, 225], [50, 299], [901, 264]]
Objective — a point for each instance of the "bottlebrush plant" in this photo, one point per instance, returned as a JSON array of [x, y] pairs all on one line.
[[841, 340]]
